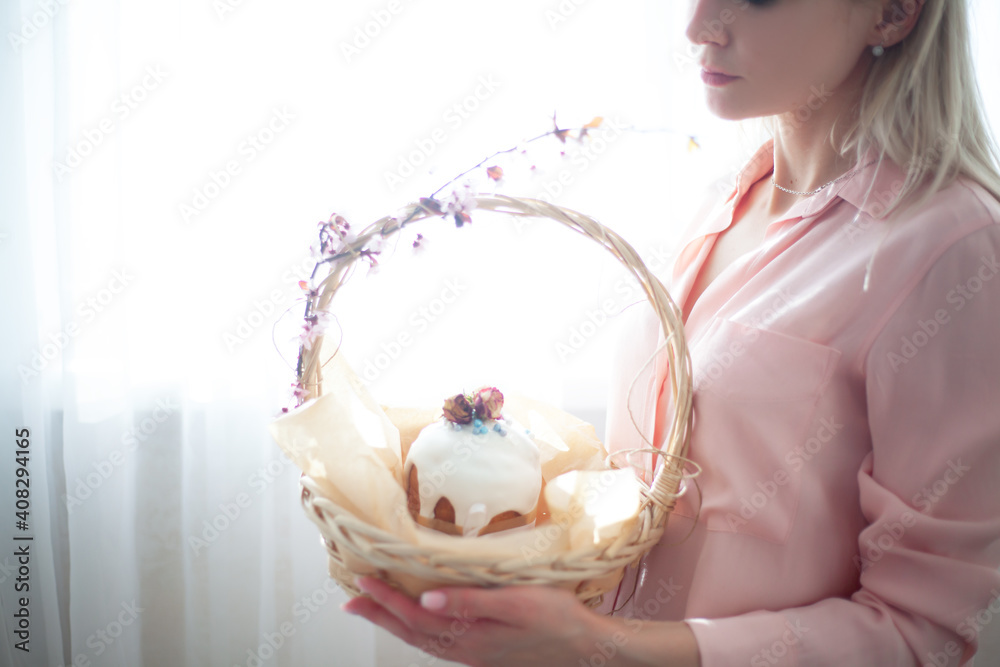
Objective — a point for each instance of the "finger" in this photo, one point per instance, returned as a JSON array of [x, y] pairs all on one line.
[[403, 607], [518, 606], [382, 617]]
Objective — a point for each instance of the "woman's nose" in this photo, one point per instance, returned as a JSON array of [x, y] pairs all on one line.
[[710, 20]]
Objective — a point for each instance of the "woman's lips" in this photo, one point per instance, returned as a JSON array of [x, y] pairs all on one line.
[[716, 79]]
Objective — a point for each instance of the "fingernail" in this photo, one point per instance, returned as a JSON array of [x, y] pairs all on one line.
[[433, 600], [344, 607]]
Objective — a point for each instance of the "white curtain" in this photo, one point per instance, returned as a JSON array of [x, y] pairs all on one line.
[[163, 170]]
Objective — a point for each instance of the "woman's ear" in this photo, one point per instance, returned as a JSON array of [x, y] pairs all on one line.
[[899, 18]]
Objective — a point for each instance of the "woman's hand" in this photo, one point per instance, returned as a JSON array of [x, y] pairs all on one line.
[[522, 625]]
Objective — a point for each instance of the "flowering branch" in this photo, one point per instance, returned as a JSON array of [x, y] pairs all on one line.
[[340, 247]]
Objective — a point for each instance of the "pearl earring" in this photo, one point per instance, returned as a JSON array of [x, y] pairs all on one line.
[[878, 50]]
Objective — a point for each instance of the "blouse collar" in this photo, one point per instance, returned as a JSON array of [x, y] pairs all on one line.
[[871, 189]]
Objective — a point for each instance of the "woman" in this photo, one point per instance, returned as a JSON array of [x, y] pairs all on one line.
[[841, 310]]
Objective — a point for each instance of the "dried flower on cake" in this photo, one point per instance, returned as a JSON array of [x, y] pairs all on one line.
[[458, 409], [488, 403]]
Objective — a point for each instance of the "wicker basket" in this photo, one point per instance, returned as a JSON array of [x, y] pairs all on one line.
[[589, 573]]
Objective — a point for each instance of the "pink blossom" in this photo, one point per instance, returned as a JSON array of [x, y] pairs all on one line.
[[315, 326], [462, 201], [299, 392], [335, 236]]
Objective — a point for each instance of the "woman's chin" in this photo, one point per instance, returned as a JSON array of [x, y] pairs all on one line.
[[727, 113], [726, 110]]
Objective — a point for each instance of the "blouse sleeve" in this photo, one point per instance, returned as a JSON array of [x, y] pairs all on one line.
[[930, 490]]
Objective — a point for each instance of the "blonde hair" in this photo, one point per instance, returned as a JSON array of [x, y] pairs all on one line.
[[921, 107]]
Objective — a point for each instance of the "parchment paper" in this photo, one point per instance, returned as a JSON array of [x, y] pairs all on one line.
[[355, 449]]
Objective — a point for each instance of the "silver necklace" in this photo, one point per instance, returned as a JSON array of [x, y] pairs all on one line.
[[820, 188]]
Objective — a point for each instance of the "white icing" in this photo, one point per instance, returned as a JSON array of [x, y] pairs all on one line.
[[499, 472]]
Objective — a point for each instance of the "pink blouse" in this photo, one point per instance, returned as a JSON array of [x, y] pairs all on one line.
[[849, 440]]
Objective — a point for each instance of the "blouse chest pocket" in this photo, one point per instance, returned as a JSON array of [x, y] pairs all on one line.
[[755, 401]]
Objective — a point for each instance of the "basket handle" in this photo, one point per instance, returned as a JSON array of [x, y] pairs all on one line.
[[666, 482]]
